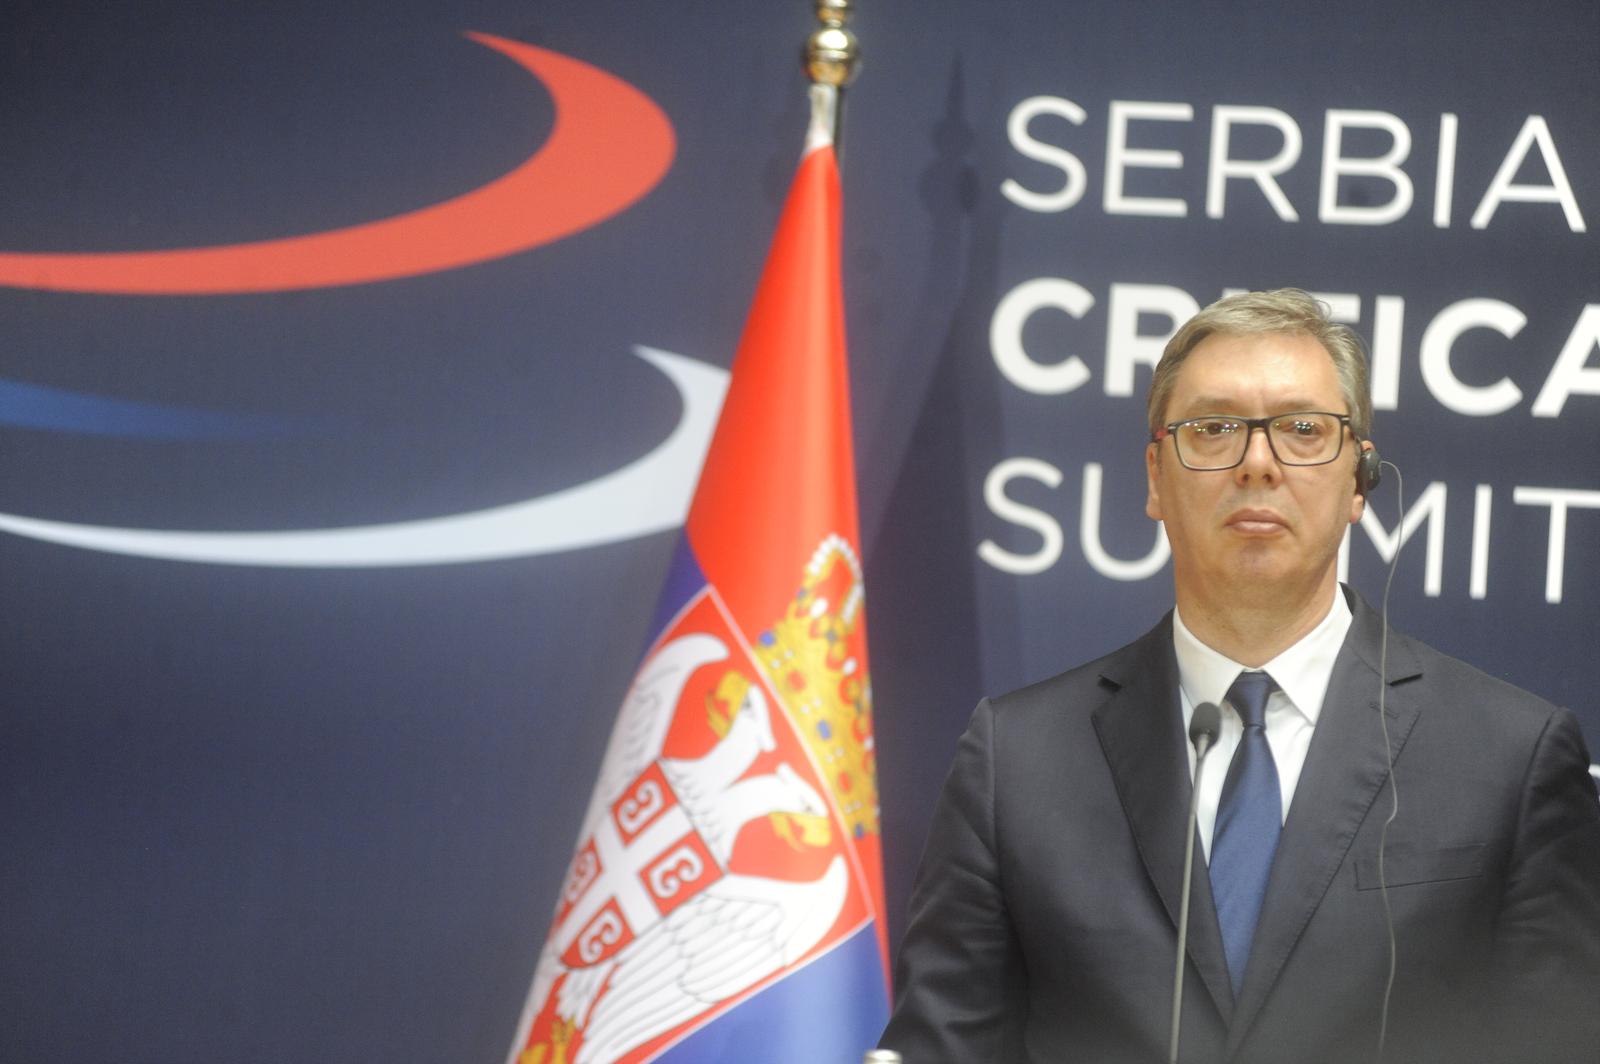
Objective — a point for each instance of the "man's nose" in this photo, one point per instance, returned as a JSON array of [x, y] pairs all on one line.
[[1259, 460]]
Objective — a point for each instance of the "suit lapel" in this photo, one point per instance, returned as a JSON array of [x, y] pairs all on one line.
[[1141, 732], [1343, 776]]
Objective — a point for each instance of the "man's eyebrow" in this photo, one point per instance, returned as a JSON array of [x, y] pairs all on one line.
[[1201, 405]]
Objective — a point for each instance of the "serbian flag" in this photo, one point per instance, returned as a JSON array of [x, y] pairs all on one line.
[[725, 901]]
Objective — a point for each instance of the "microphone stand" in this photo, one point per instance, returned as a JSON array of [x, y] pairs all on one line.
[[1203, 727]]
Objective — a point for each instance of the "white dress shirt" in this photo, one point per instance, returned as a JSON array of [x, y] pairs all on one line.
[[1301, 673]]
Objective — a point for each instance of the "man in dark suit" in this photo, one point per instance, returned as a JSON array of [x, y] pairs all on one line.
[[1043, 924]]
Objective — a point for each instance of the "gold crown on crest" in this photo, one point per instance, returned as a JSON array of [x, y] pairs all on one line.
[[815, 658]]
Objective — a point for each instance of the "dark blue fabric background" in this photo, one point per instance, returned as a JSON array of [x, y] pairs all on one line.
[[277, 814]]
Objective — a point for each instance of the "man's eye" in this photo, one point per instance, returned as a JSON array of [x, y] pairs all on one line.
[[1302, 427]]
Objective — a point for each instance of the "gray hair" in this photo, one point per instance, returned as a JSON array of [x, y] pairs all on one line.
[[1284, 310]]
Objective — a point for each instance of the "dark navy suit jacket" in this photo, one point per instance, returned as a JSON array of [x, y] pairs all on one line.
[[1043, 923]]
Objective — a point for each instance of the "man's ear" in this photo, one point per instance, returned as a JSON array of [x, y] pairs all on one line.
[[1152, 464]]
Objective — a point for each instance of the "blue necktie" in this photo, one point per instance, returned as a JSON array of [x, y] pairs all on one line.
[[1249, 820]]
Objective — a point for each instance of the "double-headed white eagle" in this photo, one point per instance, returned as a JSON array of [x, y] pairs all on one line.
[[732, 934]]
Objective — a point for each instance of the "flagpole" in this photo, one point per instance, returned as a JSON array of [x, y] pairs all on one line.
[[830, 57]]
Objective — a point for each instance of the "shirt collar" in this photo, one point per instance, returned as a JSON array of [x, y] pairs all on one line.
[[1302, 672]]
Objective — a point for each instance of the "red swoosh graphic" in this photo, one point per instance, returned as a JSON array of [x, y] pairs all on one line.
[[609, 146]]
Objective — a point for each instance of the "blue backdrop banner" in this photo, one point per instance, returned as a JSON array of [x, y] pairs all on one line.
[[357, 362]]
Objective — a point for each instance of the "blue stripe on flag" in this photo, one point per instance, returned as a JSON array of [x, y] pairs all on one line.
[[684, 581], [832, 1010]]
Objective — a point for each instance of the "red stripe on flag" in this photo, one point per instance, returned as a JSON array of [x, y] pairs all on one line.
[[780, 474]]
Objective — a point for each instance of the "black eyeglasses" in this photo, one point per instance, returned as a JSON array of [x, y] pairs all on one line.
[[1299, 438]]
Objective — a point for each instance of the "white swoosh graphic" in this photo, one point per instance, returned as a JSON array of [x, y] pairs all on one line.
[[650, 494]]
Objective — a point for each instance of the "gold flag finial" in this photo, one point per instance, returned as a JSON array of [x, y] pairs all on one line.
[[831, 52]]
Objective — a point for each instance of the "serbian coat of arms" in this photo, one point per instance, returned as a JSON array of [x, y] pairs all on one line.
[[718, 852]]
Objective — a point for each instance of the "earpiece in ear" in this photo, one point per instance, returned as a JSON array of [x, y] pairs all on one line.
[[1369, 471]]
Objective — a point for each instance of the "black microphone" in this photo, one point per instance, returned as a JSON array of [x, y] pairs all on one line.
[[1204, 724]]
